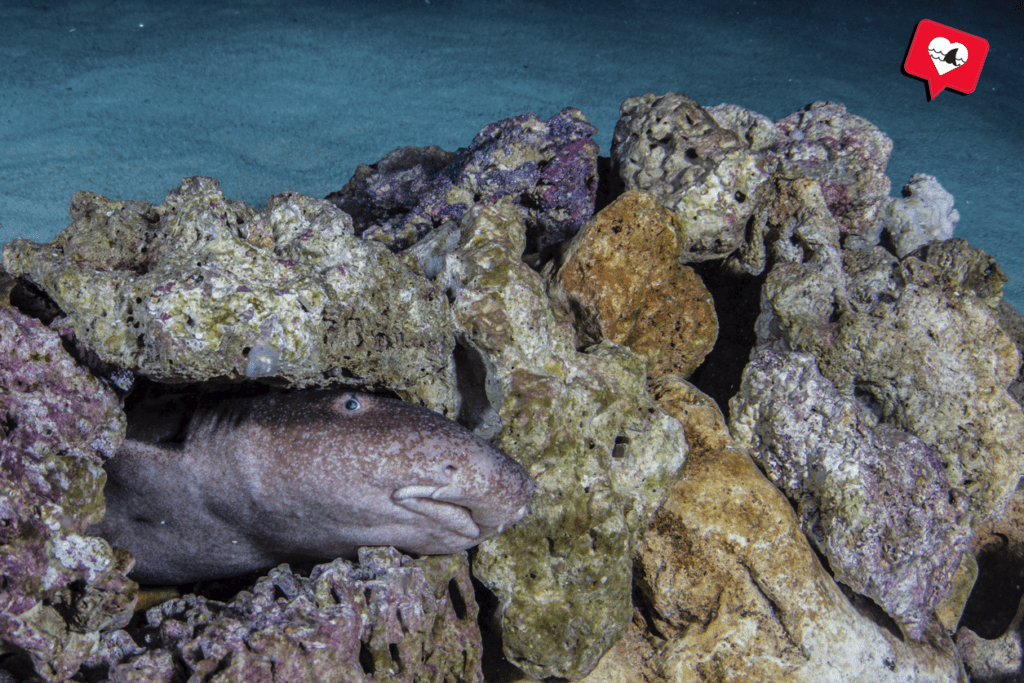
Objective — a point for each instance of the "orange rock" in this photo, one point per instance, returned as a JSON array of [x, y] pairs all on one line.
[[732, 591], [624, 283]]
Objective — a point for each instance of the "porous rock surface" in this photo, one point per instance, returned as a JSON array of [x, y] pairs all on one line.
[[59, 588], [874, 500], [846, 154], [956, 265], [548, 168], [709, 166], [922, 215], [1013, 325], [705, 174], [990, 636], [622, 277], [732, 590], [601, 451], [386, 618], [181, 292], [919, 346], [916, 340], [995, 660]]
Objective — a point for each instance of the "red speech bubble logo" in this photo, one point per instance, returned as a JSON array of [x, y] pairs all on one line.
[[945, 57]]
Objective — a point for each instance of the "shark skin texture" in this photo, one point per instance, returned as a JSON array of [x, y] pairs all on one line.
[[305, 476]]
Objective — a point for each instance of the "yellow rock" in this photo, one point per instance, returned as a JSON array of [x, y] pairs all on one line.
[[732, 591], [624, 283]]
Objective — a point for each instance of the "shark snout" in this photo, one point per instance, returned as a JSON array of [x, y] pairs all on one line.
[[496, 496], [475, 494]]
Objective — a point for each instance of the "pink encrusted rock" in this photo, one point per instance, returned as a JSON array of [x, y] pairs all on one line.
[[387, 618], [549, 168], [846, 154], [873, 499], [917, 339], [59, 423]]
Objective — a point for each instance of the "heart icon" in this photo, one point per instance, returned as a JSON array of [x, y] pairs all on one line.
[[946, 55], [938, 55]]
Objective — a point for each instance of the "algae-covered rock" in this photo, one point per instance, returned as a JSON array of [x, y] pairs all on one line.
[[58, 587], [622, 272], [600, 450], [756, 130], [913, 356], [733, 592], [705, 174], [874, 500], [935, 363], [959, 266], [846, 155], [913, 365], [917, 340], [387, 618], [185, 290], [1013, 325], [792, 212], [207, 276], [990, 637]]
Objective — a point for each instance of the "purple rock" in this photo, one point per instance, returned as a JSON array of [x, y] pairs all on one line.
[[847, 154], [548, 167], [377, 192], [390, 617], [58, 424], [873, 499]]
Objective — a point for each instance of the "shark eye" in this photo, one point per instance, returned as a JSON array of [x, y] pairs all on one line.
[[353, 404]]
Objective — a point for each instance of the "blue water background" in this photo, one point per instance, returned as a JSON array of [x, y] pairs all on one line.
[[126, 98]]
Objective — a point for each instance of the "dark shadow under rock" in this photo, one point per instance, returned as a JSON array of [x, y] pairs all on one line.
[[737, 305]]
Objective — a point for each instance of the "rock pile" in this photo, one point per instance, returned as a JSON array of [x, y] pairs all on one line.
[[823, 523]]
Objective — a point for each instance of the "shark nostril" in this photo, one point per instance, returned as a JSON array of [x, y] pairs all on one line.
[[450, 469]]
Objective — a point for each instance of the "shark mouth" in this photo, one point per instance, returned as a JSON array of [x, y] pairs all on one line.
[[428, 501]]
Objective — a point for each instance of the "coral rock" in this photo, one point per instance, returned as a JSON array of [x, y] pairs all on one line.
[[184, 290], [549, 168], [733, 592], [394, 186], [59, 587], [922, 215], [757, 131], [632, 660], [998, 660], [705, 174], [387, 618], [936, 364], [602, 453], [920, 344], [874, 500], [846, 154], [961, 267], [1013, 325], [991, 634], [622, 270]]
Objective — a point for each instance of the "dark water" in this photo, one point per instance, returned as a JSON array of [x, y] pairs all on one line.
[[126, 98]]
